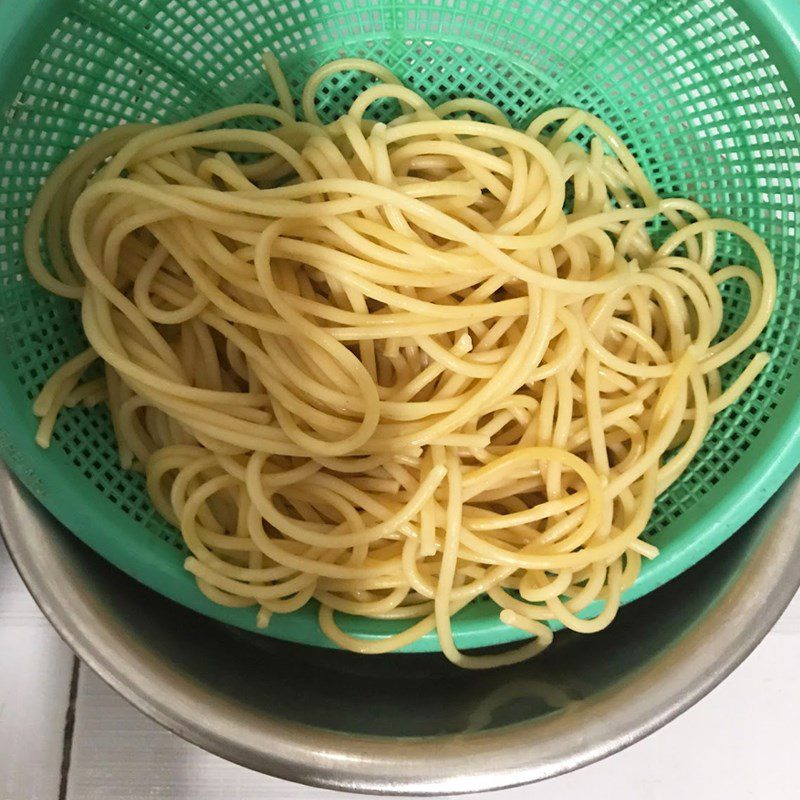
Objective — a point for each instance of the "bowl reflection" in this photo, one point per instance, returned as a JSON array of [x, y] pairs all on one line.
[[411, 723]]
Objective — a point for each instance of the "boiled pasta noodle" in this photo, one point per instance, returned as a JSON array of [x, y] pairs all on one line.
[[395, 367]]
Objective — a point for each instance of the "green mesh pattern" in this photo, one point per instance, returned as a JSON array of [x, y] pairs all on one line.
[[686, 83]]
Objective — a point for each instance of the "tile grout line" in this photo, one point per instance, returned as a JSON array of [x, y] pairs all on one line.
[[69, 729]]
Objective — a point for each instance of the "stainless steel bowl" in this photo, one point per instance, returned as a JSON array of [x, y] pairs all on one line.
[[411, 724]]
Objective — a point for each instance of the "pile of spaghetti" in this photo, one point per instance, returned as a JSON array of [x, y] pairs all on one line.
[[395, 367]]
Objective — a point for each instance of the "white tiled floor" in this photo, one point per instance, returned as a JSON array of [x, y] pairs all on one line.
[[35, 671], [739, 743]]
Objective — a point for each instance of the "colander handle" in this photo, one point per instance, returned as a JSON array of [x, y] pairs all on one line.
[[25, 25]]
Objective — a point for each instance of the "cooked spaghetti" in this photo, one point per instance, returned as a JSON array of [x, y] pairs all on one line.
[[394, 368]]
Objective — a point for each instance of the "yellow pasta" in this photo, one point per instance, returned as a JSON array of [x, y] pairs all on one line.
[[395, 367]]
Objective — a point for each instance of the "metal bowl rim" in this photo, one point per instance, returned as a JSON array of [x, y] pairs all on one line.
[[608, 722]]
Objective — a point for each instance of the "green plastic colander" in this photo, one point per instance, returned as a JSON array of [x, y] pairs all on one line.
[[704, 92]]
